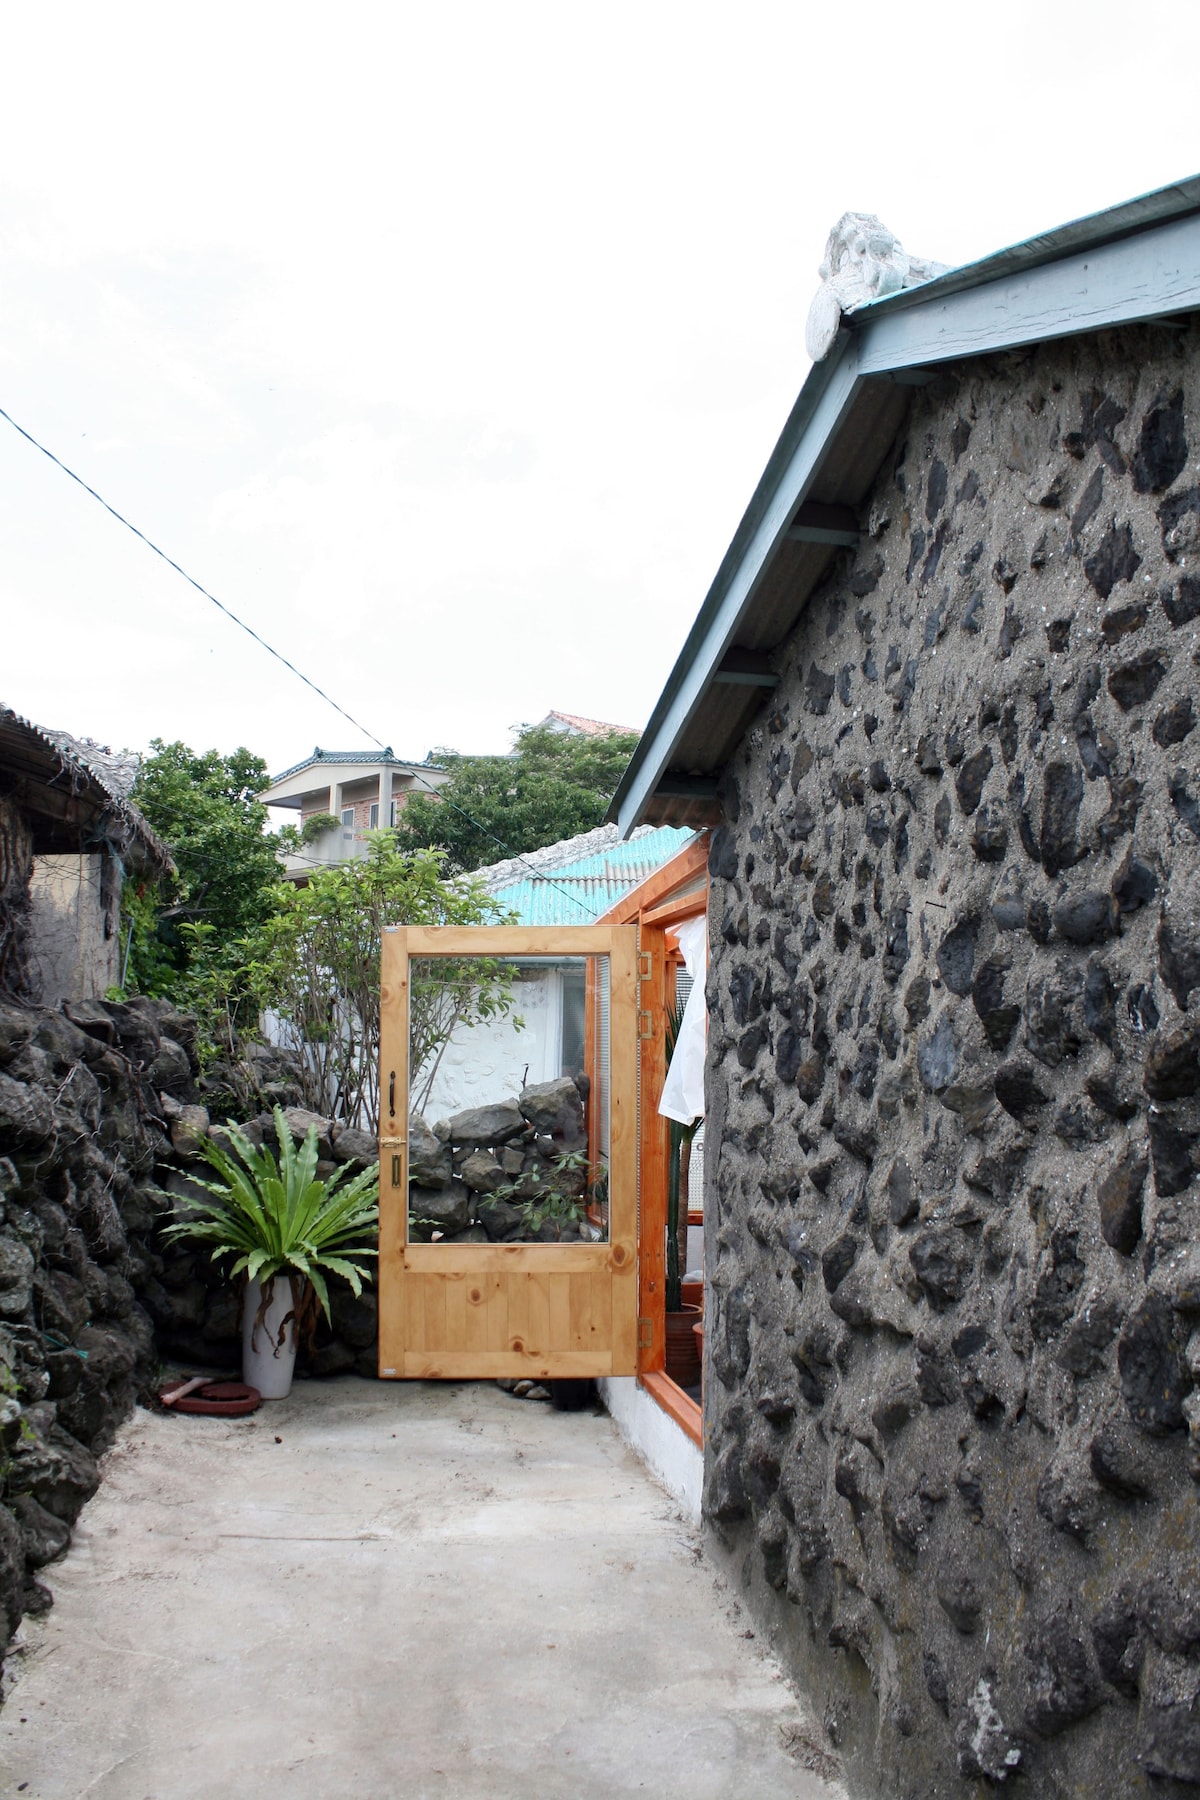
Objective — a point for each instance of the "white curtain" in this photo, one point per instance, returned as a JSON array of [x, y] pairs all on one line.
[[683, 1090]]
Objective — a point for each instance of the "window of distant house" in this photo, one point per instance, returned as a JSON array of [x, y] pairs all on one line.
[[394, 812], [373, 817], [347, 818], [574, 1015]]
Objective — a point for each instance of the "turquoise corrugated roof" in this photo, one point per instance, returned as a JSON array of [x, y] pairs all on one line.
[[580, 892]]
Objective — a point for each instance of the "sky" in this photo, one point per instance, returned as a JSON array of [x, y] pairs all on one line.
[[445, 344]]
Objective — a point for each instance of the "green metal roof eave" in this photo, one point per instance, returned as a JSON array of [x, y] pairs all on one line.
[[799, 420], [1175, 201], [1139, 260]]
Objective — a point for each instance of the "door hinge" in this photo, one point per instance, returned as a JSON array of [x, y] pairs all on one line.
[[645, 1334], [646, 972], [645, 1025]]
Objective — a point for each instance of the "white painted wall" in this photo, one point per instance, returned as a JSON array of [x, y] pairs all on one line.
[[666, 1451], [487, 1062]]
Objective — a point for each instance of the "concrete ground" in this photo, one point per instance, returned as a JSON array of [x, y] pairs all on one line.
[[405, 1589]]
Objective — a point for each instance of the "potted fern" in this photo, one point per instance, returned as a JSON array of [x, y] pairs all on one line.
[[287, 1231]]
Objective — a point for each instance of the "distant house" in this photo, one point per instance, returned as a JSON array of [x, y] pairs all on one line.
[[359, 790], [69, 838], [573, 725], [573, 882]]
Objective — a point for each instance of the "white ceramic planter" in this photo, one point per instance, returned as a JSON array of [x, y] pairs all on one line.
[[266, 1364]]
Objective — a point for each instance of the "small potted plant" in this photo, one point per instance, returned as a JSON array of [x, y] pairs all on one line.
[[287, 1231]]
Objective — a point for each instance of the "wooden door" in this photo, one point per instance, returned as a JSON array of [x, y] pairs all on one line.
[[461, 1310]]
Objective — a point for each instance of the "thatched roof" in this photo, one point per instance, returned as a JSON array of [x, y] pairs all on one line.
[[75, 794]]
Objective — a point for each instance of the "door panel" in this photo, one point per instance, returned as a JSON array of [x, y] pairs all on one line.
[[462, 1310]]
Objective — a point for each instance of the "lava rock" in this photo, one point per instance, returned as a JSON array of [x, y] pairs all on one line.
[[1134, 884], [350, 1145], [1174, 723], [1087, 917], [1114, 560], [483, 1127], [942, 1262], [838, 1260], [300, 1122], [1168, 1737], [449, 1209], [554, 1109], [958, 1596], [956, 955], [939, 1057], [1172, 1068], [481, 1172], [1119, 1197], [1062, 796], [1063, 1687], [1162, 449], [1178, 961], [1133, 683], [1173, 1154], [1017, 1090], [26, 1115], [903, 1200], [970, 779], [1154, 1381]]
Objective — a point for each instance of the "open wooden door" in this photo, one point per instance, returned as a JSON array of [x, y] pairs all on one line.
[[483, 1300]]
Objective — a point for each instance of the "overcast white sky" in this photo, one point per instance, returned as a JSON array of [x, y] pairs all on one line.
[[445, 343]]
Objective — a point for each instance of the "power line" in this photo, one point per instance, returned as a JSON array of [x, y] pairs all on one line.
[[170, 561], [279, 657]]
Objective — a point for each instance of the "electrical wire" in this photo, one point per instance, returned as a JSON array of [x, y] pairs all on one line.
[[510, 854], [170, 561]]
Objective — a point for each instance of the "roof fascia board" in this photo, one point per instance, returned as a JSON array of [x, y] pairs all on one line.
[[1132, 216], [1143, 277], [1148, 274], [788, 477]]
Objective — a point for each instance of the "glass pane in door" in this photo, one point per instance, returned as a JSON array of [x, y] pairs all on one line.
[[508, 1099]]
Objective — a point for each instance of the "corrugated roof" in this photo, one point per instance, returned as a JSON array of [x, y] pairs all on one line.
[[576, 881]]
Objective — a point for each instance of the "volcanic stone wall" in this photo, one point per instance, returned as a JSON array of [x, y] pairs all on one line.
[[99, 1123], [953, 1390]]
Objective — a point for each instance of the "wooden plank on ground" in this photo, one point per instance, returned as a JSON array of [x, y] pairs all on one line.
[[474, 1365]]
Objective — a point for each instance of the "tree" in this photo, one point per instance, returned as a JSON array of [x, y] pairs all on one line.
[[554, 785], [206, 807], [315, 963]]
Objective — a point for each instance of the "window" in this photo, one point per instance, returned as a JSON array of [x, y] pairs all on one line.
[[373, 817], [347, 821], [574, 1016]]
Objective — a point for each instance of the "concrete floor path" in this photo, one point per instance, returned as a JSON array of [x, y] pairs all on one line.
[[402, 1590]]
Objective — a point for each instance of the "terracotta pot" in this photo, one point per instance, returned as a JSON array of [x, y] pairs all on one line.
[[682, 1358]]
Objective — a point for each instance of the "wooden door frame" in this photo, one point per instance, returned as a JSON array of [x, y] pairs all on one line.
[[656, 906], [614, 1260]]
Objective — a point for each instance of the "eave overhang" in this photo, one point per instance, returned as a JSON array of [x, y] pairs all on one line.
[[1135, 263]]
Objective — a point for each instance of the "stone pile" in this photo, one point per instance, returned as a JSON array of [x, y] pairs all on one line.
[[953, 1391], [475, 1178], [100, 1115], [81, 1138]]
